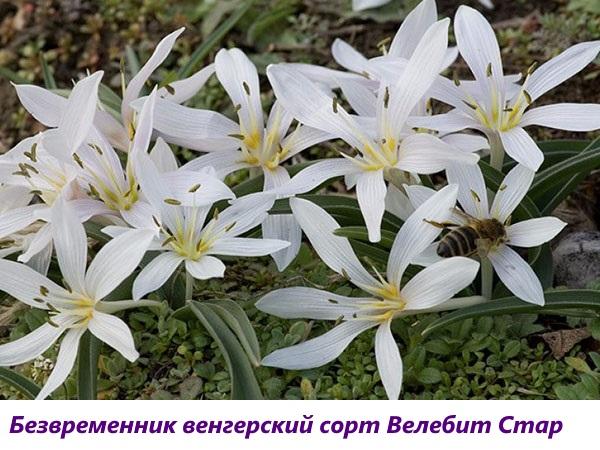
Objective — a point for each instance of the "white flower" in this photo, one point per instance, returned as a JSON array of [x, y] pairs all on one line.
[[360, 5], [387, 299], [47, 106], [79, 307], [386, 148], [498, 109], [249, 143], [182, 236], [513, 271]]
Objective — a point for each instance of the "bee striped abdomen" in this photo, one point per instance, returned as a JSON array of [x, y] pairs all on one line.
[[461, 241]]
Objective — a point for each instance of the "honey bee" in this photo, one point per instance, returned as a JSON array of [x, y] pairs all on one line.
[[466, 240]]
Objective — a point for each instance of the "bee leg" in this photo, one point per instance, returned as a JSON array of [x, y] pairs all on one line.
[[440, 224]]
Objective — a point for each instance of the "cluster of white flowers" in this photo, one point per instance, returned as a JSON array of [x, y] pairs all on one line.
[[90, 166]]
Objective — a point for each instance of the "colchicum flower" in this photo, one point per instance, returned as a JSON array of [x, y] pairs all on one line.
[[385, 147], [78, 307], [513, 271], [248, 144], [360, 5], [500, 109], [386, 298]]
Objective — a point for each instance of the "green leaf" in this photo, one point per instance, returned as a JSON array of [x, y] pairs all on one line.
[[567, 300], [554, 151], [13, 76], [216, 37], [49, 81], [110, 100], [133, 62], [578, 364], [235, 317], [25, 386], [89, 352], [429, 375], [362, 234], [243, 381]]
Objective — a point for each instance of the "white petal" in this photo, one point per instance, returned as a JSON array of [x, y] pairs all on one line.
[[520, 147], [413, 28], [389, 362], [423, 153], [478, 45], [244, 213], [428, 256], [70, 242], [311, 106], [197, 188], [116, 261], [40, 243], [196, 129], [316, 174], [163, 157], [12, 197], [472, 193], [564, 116], [439, 282], [155, 274], [279, 122], [144, 124], [205, 268], [29, 346], [359, 5], [407, 90], [514, 187], [136, 84], [335, 251], [417, 194], [183, 90], [517, 275], [318, 351], [16, 219], [398, 203], [64, 362], [247, 246], [467, 142], [78, 116], [326, 77], [309, 303], [112, 129], [416, 234], [275, 178], [561, 68], [534, 232], [23, 283], [223, 161], [362, 99], [239, 77], [286, 228], [45, 106], [348, 57], [114, 332], [371, 191], [444, 123]]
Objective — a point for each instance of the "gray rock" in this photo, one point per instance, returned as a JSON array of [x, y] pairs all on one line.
[[577, 259]]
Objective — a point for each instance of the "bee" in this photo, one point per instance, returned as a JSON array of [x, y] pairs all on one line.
[[466, 240]]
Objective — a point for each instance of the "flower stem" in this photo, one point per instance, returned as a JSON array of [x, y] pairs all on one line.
[[487, 278], [496, 152], [189, 287], [89, 352]]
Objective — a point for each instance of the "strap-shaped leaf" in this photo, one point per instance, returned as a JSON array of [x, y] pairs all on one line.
[[89, 352], [25, 386], [235, 317], [566, 301], [555, 151], [362, 234], [243, 381]]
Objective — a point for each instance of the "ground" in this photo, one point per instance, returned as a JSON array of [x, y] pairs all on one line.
[[501, 357]]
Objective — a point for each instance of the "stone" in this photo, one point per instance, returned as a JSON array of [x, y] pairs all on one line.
[[577, 259]]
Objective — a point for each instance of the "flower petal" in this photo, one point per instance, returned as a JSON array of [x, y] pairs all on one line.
[[29, 346], [316, 174], [64, 362], [564, 116], [205, 268], [286, 228], [534, 232], [309, 303], [412, 29], [163, 157], [223, 161], [348, 57], [16, 219], [398, 203], [561, 68], [514, 188], [389, 362], [444, 123], [136, 84], [116, 261], [335, 251], [155, 274], [234, 246], [520, 147], [517, 275], [318, 351], [472, 192], [23, 283], [439, 282], [416, 234], [114, 332], [45, 106], [182, 90], [70, 242], [370, 192]]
